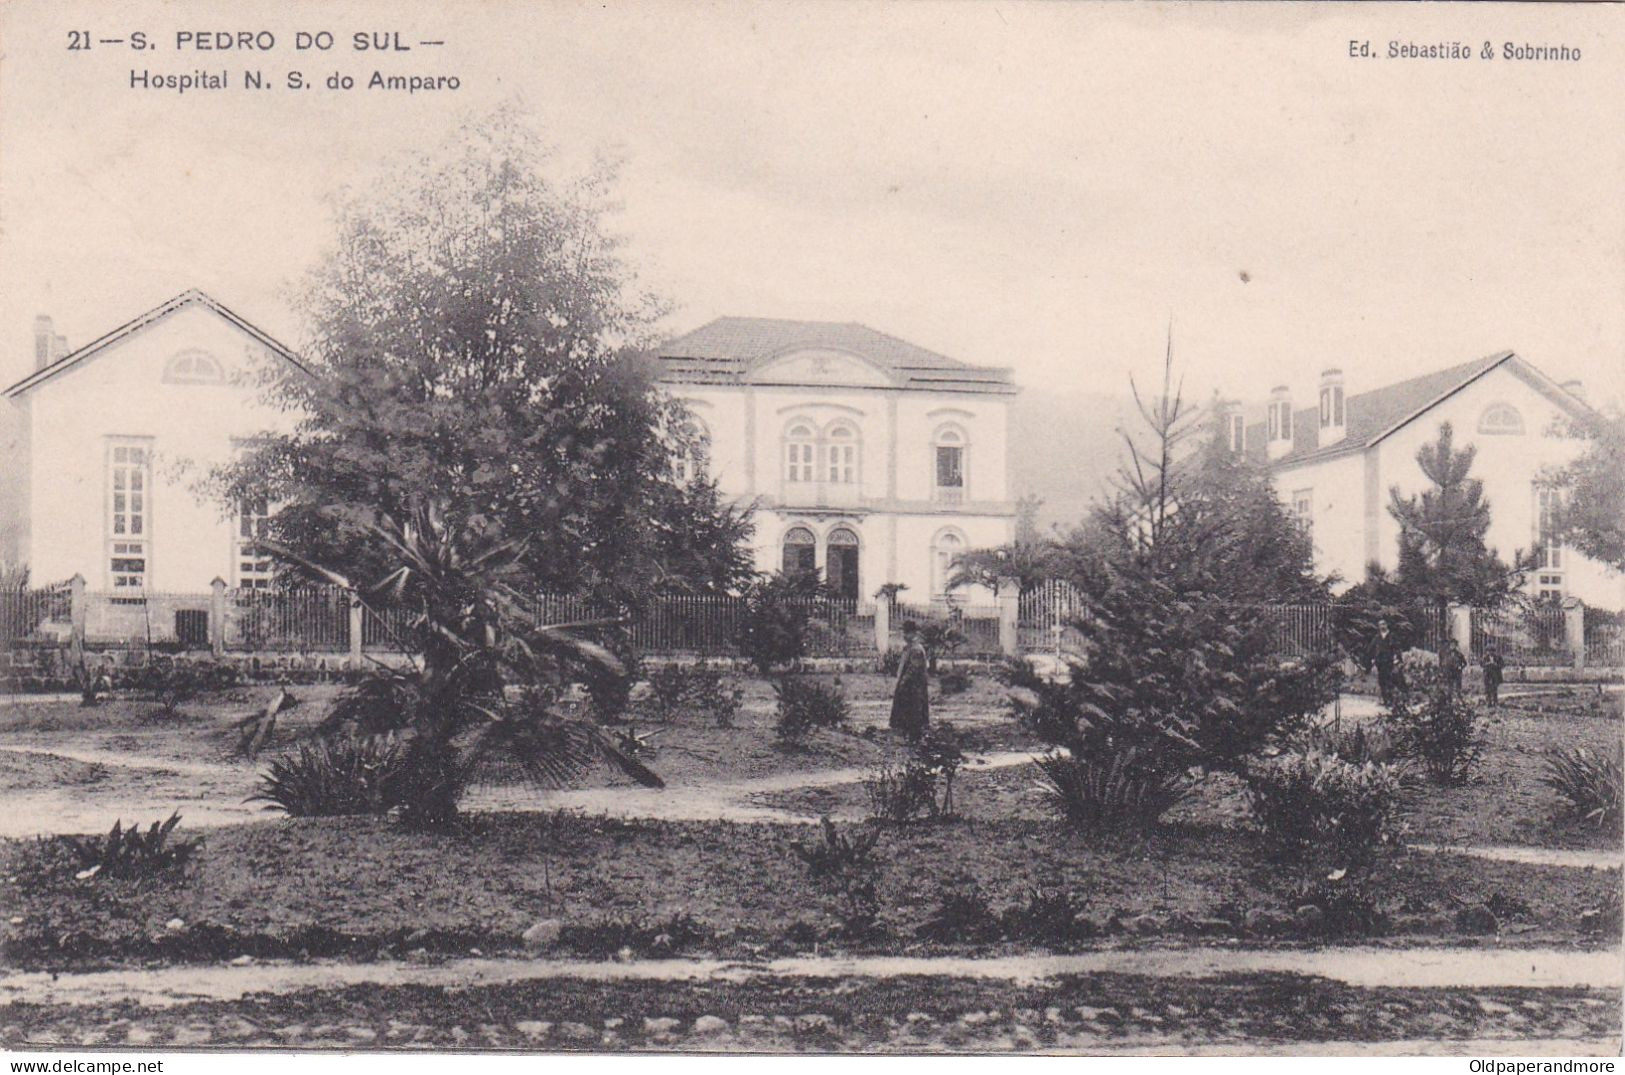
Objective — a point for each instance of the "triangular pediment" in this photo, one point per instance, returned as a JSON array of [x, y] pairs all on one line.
[[819, 366]]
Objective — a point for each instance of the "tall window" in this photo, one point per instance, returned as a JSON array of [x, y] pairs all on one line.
[[1303, 509], [1238, 432], [841, 563], [1281, 420], [945, 548], [800, 551], [1500, 419], [129, 473], [1331, 406], [842, 452], [249, 560], [800, 447], [950, 466], [1548, 501], [689, 462]]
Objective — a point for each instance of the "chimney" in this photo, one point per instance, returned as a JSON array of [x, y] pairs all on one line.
[[44, 342], [1575, 389], [1279, 428], [1333, 420]]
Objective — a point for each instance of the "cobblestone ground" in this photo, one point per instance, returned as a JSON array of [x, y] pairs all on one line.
[[1096, 1013]]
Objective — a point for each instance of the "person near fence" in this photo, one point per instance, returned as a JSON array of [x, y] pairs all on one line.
[[1493, 664], [1383, 655], [911, 698], [1453, 663]]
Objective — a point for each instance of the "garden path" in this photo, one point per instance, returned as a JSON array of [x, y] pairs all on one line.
[[1366, 967]]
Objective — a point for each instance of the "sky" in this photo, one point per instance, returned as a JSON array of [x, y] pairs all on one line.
[[1042, 186]]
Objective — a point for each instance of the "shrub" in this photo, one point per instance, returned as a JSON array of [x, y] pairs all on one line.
[[940, 640], [1350, 907], [132, 852], [1437, 725], [806, 702], [889, 662], [924, 785], [963, 916], [695, 688], [338, 776], [1128, 789], [954, 681], [1315, 807], [1357, 743], [772, 630], [845, 867], [1591, 783], [1052, 916]]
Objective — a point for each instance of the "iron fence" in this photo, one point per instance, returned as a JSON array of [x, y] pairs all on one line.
[[1523, 634], [38, 615], [312, 620]]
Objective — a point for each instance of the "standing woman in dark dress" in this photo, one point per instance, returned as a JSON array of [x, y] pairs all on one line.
[[911, 700]]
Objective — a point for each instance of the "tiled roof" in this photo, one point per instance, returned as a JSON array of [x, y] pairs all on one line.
[[722, 351], [1371, 415], [157, 313]]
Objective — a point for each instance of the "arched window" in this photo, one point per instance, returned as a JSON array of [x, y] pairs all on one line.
[[1501, 419], [841, 455], [800, 446], [945, 547], [194, 367], [841, 560], [949, 449], [800, 551]]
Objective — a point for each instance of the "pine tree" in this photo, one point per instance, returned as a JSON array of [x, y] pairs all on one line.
[[1442, 554]]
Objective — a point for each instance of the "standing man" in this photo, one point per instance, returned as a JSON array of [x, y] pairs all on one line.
[[1455, 663], [1383, 655], [1493, 664], [911, 699]]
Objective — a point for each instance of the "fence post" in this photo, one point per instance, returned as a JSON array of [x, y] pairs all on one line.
[[78, 612], [355, 630], [1461, 627], [1009, 598], [1574, 629], [217, 616], [882, 625]]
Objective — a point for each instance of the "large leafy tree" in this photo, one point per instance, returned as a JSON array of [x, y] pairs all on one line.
[[1443, 557], [1592, 518], [476, 335]]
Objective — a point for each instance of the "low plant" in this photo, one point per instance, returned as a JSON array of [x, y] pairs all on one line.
[[1590, 783], [923, 785], [1356, 742], [889, 662], [363, 774], [1315, 808], [954, 681], [1128, 789], [963, 916], [845, 866], [1053, 916], [1351, 906], [940, 640], [698, 688], [133, 852], [806, 703], [1438, 726]]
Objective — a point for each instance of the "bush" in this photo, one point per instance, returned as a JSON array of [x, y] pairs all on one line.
[[805, 703], [1049, 916], [1357, 743], [132, 852], [940, 640], [964, 916], [889, 662], [772, 630], [924, 786], [1128, 789], [1317, 808], [1591, 784], [845, 867], [1436, 725], [954, 681], [1349, 907], [339, 776], [695, 688]]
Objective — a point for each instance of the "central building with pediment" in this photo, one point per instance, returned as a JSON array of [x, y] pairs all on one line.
[[861, 455]]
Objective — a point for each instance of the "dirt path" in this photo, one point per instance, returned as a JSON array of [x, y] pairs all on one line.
[[1443, 967]]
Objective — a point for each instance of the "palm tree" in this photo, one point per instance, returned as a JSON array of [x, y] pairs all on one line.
[[484, 684]]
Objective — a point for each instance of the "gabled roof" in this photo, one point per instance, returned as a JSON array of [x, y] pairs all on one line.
[[129, 328], [722, 351], [1372, 416]]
